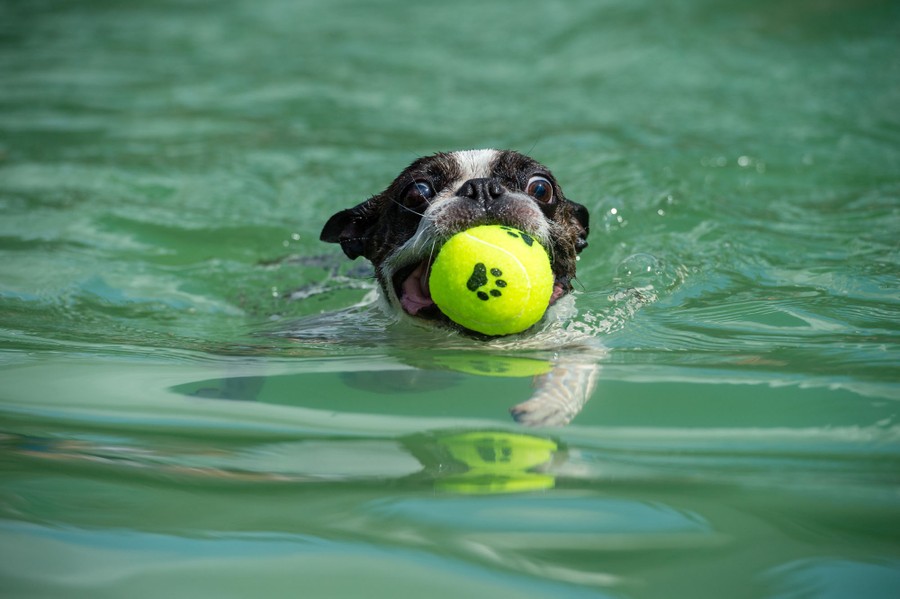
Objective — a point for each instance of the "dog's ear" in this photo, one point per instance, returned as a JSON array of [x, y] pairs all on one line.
[[351, 228], [582, 221]]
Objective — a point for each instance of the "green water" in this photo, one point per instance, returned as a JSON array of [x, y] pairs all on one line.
[[197, 400]]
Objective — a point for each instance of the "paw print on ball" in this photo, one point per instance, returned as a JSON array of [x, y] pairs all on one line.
[[528, 239], [480, 278]]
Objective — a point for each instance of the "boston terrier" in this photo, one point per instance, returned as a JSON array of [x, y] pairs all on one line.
[[401, 229]]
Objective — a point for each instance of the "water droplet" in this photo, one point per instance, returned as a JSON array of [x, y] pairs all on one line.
[[647, 271], [612, 219], [637, 265]]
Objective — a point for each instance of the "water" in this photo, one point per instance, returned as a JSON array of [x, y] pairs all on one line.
[[199, 399]]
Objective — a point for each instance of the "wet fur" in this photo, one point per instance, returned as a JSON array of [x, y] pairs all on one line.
[[392, 234]]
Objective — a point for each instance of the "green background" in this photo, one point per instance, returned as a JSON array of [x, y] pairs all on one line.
[[197, 398]]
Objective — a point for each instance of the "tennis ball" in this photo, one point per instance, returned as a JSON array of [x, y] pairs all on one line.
[[492, 279]]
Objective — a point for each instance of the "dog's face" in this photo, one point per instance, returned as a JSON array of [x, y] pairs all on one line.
[[401, 229]]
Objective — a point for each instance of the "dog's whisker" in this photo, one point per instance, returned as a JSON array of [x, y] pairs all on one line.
[[431, 253], [407, 208]]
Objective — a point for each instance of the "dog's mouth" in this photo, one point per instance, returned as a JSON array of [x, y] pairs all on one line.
[[411, 286], [414, 294]]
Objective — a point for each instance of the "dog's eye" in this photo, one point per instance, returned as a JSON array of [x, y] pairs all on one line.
[[540, 189], [420, 190]]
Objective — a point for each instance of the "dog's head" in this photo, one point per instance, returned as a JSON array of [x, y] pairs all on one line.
[[401, 229]]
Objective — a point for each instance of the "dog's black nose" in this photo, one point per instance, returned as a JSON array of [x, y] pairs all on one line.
[[482, 189]]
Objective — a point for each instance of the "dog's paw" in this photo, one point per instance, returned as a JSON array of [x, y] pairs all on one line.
[[540, 412], [559, 395]]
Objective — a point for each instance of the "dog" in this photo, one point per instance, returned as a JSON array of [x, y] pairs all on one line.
[[401, 229]]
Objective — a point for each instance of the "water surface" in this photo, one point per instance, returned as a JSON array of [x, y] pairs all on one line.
[[200, 399]]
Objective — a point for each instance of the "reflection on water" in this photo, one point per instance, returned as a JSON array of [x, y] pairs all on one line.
[[456, 462], [561, 385], [491, 461], [599, 505]]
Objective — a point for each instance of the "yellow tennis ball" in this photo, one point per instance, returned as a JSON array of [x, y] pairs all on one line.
[[492, 279]]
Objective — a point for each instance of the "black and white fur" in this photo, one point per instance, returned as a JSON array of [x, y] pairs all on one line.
[[401, 229]]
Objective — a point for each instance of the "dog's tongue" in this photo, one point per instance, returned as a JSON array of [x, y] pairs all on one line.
[[558, 292], [416, 294]]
